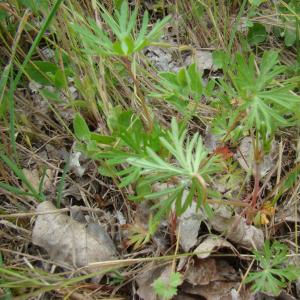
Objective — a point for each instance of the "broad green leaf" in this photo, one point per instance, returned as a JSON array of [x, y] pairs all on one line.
[[81, 129], [220, 58], [256, 3], [52, 96], [60, 79], [102, 139], [257, 34], [289, 37], [42, 72], [181, 77], [195, 82]]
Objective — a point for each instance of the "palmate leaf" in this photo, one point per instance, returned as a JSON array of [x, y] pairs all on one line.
[[167, 290], [179, 88], [122, 25], [265, 106], [188, 166], [167, 167], [274, 275]]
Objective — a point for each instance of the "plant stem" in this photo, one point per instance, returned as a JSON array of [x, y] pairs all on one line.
[[256, 173], [146, 114]]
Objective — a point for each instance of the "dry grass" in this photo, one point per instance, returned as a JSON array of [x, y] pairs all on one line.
[[44, 138]]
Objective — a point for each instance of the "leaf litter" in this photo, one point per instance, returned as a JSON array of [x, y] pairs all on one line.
[[70, 242]]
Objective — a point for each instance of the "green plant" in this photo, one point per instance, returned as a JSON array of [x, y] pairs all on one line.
[[122, 24], [14, 81], [274, 273], [30, 190], [5, 294], [289, 14], [167, 290], [180, 88], [187, 168], [261, 102], [161, 165], [257, 34]]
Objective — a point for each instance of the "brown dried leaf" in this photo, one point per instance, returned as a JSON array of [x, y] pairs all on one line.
[[237, 230], [210, 244], [204, 271], [145, 280], [68, 241]]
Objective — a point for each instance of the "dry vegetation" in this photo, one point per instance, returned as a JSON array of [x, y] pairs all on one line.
[[140, 161]]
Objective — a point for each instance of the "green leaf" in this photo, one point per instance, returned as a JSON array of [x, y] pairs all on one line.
[[127, 45], [257, 34], [181, 77], [155, 33], [256, 3], [13, 189], [289, 37], [60, 80], [3, 14], [167, 290], [274, 276], [264, 106], [52, 96], [141, 36], [220, 58], [123, 15], [195, 82], [81, 129], [35, 5], [102, 139], [42, 72]]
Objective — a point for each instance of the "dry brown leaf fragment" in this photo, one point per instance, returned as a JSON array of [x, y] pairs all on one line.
[[237, 230], [204, 271], [188, 226], [147, 277], [70, 242], [33, 177], [210, 244]]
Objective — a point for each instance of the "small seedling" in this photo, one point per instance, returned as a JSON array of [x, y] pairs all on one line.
[[273, 274], [167, 290]]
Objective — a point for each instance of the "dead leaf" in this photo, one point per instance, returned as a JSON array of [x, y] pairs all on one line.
[[182, 296], [75, 164], [210, 244], [68, 241], [203, 60], [145, 280], [33, 177], [189, 224], [245, 157], [161, 58], [216, 290], [204, 271], [238, 231], [224, 152]]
